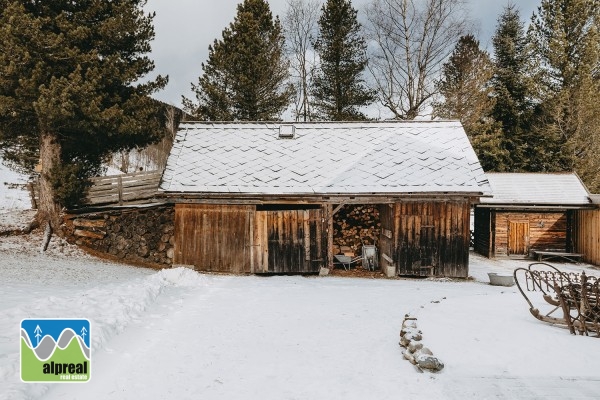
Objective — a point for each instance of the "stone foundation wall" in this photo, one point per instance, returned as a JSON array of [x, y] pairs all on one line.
[[351, 224], [140, 235]]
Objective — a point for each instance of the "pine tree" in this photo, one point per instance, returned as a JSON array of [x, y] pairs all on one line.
[[246, 72], [339, 90], [512, 108], [68, 81], [467, 95], [567, 43]]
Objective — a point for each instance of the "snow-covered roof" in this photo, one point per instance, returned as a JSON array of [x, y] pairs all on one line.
[[324, 158], [560, 189]]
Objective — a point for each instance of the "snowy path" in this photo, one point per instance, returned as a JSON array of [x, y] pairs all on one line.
[[300, 338], [268, 338]]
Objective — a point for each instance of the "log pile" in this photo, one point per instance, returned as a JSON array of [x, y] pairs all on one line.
[[352, 225], [141, 235]]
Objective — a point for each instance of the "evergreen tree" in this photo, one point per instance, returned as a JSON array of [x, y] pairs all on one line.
[[68, 82], [339, 90], [467, 95], [246, 72], [567, 43], [512, 108]]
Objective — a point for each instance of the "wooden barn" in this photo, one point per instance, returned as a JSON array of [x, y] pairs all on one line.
[[529, 212], [587, 232], [263, 197]]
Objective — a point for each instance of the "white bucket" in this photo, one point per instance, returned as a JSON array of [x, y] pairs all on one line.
[[501, 280]]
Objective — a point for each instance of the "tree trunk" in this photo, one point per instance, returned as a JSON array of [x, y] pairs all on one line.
[[48, 209]]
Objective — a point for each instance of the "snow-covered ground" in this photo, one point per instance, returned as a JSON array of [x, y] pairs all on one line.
[[13, 197], [178, 334], [183, 335]]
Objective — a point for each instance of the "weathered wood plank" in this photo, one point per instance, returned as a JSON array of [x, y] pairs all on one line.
[[214, 239], [432, 238], [329, 218], [586, 236], [547, 230]]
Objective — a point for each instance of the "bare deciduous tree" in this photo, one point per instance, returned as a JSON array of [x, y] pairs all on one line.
[[409, 41], [300, 26]]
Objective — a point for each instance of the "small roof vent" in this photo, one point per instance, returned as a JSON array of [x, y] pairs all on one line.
[[287, 131]]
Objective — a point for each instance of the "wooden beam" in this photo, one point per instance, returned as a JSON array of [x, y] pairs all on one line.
[[338, 208], [329, 220]]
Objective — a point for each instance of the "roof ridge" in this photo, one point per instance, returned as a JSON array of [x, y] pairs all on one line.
[[298, 123]]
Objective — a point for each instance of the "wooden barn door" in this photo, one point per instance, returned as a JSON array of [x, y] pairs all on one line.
[[518, 237], [418, 245], [288, 241], [213, 237], [432, 238]]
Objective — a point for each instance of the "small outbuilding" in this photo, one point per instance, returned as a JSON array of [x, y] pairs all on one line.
[[587, 232], [529, 212], [262, 197]]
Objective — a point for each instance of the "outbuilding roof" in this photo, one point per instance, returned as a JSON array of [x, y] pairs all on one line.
[[537, 189], [324, 158]]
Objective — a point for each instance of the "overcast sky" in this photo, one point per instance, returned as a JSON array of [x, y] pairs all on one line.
[[185, 29]]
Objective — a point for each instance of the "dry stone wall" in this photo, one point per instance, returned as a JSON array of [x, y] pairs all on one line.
[[353, 223], [141, 235]]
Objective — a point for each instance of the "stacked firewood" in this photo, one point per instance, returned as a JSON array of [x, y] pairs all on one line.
[[353, 225]]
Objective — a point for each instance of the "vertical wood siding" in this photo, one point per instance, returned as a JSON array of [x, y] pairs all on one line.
[[291, 246], [587, 235], [546, 231], [213, 237], [386, 236], [432, 238], [518, 237], [483, 231], [239, 239]]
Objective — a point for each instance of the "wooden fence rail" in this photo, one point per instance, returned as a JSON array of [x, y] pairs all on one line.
[[121, 189], [137, 187]]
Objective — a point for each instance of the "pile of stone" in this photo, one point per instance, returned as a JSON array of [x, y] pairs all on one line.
[[415, 352], [353, 224]]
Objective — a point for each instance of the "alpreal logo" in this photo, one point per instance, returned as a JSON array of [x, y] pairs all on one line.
[[55, 350]]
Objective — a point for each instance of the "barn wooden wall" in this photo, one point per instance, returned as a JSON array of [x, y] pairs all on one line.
[[387, 245], [292, 239], [587, 235], [242, 239], [213, 237], [431, 238], [421, 238], [483, 232], [546, 230]]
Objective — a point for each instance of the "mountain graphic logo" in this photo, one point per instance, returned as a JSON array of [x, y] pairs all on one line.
[[55, 350]]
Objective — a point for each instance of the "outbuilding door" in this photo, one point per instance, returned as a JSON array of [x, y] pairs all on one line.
[[213, 237], [417, 245], [287, 241], [518, 238]]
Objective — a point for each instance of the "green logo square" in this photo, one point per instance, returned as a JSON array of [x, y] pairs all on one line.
[[55, 350]]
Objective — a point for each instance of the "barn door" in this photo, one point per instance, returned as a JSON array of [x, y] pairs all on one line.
[[417, 245], [213, 237], [518, 237], [287, 241]]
